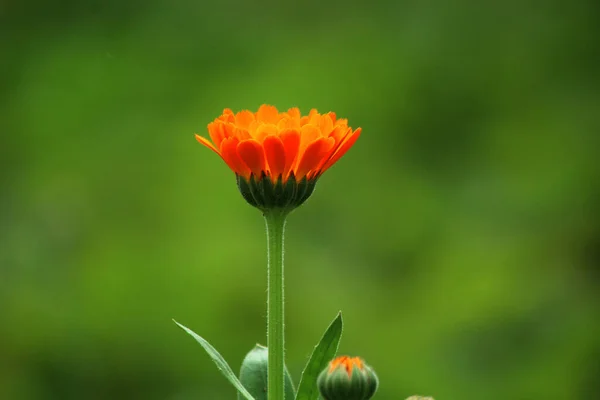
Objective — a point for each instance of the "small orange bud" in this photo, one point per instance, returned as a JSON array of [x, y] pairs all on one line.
[[347, 378]]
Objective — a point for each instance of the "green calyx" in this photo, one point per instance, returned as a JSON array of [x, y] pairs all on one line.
[[263, 194], [339, 384]]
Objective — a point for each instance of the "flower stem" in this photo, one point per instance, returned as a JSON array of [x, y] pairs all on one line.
[[275, 221]]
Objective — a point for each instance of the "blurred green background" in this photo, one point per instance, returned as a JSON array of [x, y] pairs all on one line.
[[460, 236]]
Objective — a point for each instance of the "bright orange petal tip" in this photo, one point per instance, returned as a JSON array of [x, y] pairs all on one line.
[[278, 147], [347, 363]]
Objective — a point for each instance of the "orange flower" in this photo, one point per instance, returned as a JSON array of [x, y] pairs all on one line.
[[279, 144], [278, 156]]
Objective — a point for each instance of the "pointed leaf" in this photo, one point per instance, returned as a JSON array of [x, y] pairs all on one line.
[[322, 354], [220, 361], [253, 374]]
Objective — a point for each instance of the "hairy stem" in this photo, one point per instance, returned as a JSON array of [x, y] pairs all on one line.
[[275, 221]]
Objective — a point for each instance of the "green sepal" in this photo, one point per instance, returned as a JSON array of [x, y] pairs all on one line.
[[289, 190], [324, 351], [310, 188], [253, 375], [221, 363], [244, 187], [302, 189], [261, 192], [268, 190], [280, 199], [257, 190]]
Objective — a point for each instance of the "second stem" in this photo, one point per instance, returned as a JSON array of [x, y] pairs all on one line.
[[275, 221]]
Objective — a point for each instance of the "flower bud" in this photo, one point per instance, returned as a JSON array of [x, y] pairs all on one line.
[[347, 378]]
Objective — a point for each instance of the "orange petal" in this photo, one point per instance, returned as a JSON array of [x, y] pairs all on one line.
[[232, 158], [287, 122], [315, 118], [227, 115], [263, 130], [291, 142], [229, 129], [342, 121], [253, 155], [308, 134], [310, 118], [275, 155], [339, 133], [341, 140], [268, 114], [207, 144], [294, 113], [313, 155], [216, 132], [342, 149], [252, 127], [326, 125], [241, 134], [283, 123], [244, 118]]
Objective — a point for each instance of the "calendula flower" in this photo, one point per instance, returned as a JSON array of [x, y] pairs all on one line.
[[347, 378], [279, 156]]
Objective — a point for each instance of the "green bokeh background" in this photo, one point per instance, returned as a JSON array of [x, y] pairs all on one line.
[[460, 236]]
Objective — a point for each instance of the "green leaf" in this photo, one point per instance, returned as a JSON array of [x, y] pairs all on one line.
[[253, 374], [322, 354], [220, 361]]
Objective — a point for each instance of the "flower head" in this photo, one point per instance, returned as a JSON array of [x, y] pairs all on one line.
[[347, 378], [278, 156]]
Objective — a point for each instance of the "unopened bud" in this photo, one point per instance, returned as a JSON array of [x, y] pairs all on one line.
[[347, 378]]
